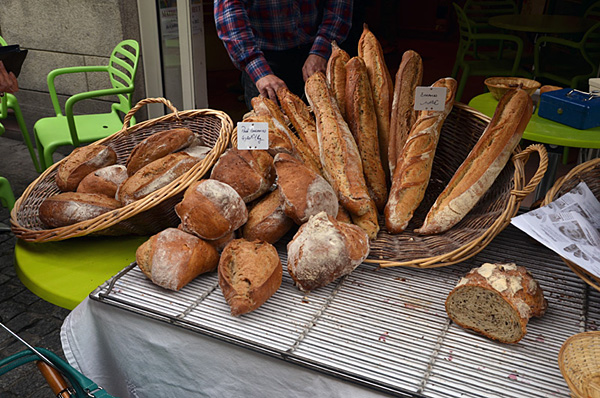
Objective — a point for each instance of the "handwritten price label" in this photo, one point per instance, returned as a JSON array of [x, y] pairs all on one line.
[[253, 135], [430, 98]]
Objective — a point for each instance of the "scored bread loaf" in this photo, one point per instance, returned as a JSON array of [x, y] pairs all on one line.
[[369, 49], [403, 115], [69, 208], [483, 164], [173, 258], [158, 145], [81, 162], [413, 169], [323, 250], [250, 272], [336, 75], [266, 219], [299, 115], [360, 115], [250, 173], [104, 181], [496, 300], [211, 209]]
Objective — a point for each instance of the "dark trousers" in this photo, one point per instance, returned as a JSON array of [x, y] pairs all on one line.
[[287, 65]]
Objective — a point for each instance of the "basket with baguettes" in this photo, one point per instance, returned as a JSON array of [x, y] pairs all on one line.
[[589, 172], [148, 215]]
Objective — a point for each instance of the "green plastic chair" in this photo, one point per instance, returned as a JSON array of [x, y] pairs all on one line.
[[69, 129], [7, 198], [468, 63], [480, 11], [9, 101]]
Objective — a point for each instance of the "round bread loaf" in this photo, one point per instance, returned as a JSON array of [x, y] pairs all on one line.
[[104, 181], [267, 220], [249, 273], [158, 145], [496, 300], [81, 162], [69, 208], [323, 250], [211, 209], [304, 193], [173, 258], [250, 173]]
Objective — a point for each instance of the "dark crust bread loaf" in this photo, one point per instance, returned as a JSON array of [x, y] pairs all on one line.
[[211, 209], [249, 172], [299, 115], [266, 219], [154, 176], [323, 250], [482, 166], [339, 154], [81, 162], [158, 145], [547, 88], [496, 300], [413, 169], [403, 116], [336, 75], [69, 208], [360, 115], [249, 273], [303, 192], [173, 258], [104, 181]]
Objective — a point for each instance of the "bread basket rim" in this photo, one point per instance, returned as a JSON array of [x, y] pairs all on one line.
[[592, 334]]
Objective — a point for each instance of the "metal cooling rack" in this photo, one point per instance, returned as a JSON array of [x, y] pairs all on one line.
[[387, 328]]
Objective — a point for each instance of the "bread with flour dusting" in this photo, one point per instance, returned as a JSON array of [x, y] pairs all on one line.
[[81, 162], [104, 181], [69, 208], [266, 219]]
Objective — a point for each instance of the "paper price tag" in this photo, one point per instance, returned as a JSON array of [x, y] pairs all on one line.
[[430, 98], [252, 135]]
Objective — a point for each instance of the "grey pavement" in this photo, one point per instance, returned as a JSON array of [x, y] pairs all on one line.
[[33, 319]]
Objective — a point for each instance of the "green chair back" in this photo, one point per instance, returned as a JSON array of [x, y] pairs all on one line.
[[7, 198], [123, 66], [593, 11], [480, 11]]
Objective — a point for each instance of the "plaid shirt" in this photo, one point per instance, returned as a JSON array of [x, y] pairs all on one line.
[[248, 26]]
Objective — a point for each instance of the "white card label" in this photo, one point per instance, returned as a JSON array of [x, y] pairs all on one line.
[[430, 98], [253, 135]]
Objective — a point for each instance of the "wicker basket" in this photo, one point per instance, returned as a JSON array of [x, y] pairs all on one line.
[[590, 173], [579, 363], [498, 86], [146, 216]]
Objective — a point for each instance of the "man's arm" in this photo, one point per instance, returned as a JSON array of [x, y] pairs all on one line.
[[8, 81]]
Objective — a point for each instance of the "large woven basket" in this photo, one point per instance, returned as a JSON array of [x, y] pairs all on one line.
[[146, 216], [579, 363], [590, 173]]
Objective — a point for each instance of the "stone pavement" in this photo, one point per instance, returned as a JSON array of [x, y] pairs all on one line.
[[33, 319]]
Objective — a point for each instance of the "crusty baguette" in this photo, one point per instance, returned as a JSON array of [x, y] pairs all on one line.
[[369, 49], [278, 142], [336, 75], [299, 114], [403, 116], [496, 300], [413, 169], [360, 115], [338, 151], [483, 164]]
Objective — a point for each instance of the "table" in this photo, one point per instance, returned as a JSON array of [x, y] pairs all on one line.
[[65, 272], [374, 331], [546, 132], [548, 24]]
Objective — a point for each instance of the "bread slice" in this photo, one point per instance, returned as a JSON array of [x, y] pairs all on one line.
[[496, 300]]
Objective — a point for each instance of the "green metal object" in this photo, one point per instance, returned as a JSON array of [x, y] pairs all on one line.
[[7, 197]]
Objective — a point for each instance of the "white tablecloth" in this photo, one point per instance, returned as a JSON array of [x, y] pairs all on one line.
[[130, 355]]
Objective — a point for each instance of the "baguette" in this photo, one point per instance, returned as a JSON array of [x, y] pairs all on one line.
[[300, 117], [413, 170], [278, 142], [337, 149], [483, 164], [336, 75], [403, 116], [360, 114], [369, 49]]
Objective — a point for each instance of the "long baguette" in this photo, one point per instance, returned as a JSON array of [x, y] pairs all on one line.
[[403, 116], [336, 75], [360, 115], [413, 169], [300, 117], [369, 49], [483, 164], [339, 154]]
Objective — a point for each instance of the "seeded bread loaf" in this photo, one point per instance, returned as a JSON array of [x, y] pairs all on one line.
[[496, 300], [104, 181], [158, 145], [81, 162], [69, 208]]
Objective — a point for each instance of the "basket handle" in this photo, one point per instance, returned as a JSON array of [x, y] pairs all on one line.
[[146, 101], [523, 157]]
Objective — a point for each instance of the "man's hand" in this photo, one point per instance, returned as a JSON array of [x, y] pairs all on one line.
[[314, 63], [8, 81], [268, 85]]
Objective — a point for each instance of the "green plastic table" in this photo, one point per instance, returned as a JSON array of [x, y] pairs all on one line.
[[66, 272], [550, 24]]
